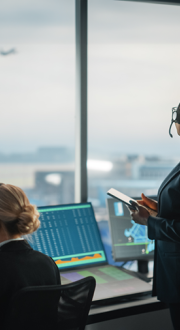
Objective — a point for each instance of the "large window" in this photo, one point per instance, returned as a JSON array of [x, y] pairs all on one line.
[[37, 83], [134, 81], [133, 67]]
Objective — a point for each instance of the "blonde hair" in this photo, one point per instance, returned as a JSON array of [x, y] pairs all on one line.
[[16, 213]]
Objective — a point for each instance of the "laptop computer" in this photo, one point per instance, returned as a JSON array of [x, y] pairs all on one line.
[[70, 235]]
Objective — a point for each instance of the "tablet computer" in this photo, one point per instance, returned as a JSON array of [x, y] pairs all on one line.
[[123, 198]]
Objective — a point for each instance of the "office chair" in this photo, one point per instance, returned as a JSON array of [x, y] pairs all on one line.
[[52, 307]]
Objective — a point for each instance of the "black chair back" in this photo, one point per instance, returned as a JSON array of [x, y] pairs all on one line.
[[74, 304], [62, 307]]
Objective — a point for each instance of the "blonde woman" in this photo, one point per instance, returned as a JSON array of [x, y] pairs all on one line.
[[20, 265]]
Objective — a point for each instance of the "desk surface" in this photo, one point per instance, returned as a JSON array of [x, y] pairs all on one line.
[[109, 312]]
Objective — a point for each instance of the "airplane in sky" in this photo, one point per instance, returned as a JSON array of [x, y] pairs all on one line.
[[8, 52]]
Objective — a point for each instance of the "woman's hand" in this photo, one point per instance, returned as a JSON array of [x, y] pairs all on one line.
[[150, 204], [141, 215]]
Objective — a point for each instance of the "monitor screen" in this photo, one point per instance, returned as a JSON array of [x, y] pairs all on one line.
[[70, 235], [129, 240]]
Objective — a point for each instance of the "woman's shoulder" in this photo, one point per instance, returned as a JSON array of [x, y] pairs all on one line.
[[21, 249], [19, 254]]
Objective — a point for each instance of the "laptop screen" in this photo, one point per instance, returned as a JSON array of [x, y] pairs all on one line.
[[70, 235]]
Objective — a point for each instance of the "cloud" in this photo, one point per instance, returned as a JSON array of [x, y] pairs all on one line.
[[133, 75], [41, 21], [33, 12], [122, 21]]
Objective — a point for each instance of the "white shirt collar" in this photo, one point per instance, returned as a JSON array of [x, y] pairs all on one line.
[[10, 240]]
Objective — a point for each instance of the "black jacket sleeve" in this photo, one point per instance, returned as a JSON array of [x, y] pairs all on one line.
[[163, 229]]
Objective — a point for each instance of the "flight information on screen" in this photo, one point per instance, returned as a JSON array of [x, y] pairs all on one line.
[[69, 234], [129, 240]]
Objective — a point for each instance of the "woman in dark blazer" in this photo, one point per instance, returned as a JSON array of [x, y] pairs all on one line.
[[163, 221], [20, 265]]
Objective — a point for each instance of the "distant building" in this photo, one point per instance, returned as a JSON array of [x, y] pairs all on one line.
[[55, 187], [151, 170], [47, 175], [42, 155]]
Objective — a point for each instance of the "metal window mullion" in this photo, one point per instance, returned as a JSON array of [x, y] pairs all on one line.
[[81, 103]]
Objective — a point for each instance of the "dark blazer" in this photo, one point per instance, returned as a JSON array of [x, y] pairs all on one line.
[[165, 229], [21, 266]]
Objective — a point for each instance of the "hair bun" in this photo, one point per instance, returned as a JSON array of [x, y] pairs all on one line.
[[28, 220], [16, 212]]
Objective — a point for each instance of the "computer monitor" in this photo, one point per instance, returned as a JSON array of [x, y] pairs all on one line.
[[129, 240], [69, 234]]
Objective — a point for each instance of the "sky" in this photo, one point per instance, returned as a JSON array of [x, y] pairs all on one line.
[[133, 76]]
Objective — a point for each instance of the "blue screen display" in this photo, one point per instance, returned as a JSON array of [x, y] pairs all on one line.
[[129, 240], [118, 209], [70, 235]]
